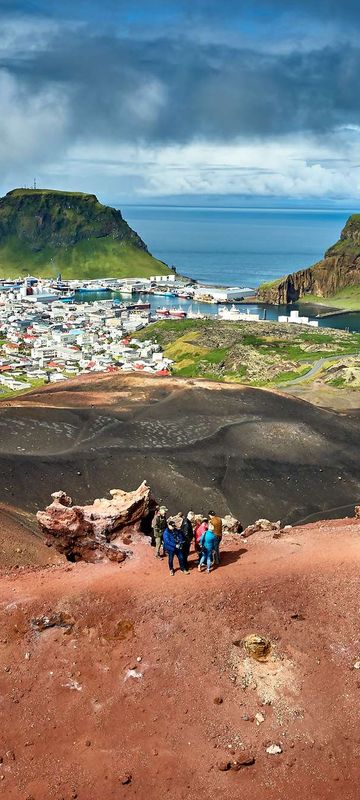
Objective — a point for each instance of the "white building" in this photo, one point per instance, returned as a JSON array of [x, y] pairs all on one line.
[[225, 294], [295, 319]]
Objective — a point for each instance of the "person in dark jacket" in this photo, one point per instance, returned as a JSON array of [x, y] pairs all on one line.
[[173, 542], [159, 524], [188, 532]]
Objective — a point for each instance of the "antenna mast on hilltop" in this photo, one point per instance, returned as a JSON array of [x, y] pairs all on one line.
[[34, 187]]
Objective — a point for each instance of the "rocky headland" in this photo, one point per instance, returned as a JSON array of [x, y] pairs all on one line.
[[44, 232], [339, 270]]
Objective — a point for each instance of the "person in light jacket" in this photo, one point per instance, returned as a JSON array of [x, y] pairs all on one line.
[[216, 523], [208, 543]]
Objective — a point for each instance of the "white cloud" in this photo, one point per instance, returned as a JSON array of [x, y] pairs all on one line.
[[32, 126], [46, 131], [296, 167]]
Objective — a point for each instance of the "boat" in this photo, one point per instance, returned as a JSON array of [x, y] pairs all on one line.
[[138, 306], [232, 314], [60, 286], [163, 312], [191, 314], [206, 298], [162, 294], [177, 312]]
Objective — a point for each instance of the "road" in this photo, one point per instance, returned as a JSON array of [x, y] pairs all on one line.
[[318, 366]]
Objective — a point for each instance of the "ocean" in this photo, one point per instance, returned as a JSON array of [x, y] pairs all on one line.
[[236, 246]]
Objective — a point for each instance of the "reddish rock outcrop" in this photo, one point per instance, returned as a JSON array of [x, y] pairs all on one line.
[[339, 269], [262, 525], [88, 533]]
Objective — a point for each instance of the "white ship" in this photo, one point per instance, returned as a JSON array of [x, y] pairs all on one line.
[[234, 315], [191, 314]]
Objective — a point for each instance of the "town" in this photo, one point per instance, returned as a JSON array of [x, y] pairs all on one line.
[[51, 331], [49, 342]]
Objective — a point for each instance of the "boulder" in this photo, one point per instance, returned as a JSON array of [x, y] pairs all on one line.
[[87, 532], [231, 524], [242, 759], [257, 646], [262, 525]]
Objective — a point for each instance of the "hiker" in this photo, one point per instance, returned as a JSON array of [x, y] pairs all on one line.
[[216, 523], [199, 530], [208, 543], [173, 543], [159, 524], [187, 529]]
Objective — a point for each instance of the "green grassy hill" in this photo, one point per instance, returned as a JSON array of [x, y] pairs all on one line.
[[43, 232], [256, 354]]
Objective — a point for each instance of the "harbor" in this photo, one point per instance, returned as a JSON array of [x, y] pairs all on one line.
[[50, 332]]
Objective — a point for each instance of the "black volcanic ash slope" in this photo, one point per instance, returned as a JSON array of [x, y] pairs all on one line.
[[250, 452]]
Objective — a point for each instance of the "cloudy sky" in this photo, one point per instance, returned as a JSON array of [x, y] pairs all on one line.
[[151, 100]]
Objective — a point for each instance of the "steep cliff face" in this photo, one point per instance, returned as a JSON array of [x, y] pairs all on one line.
[[42, 218], [339, 269], [47, 231]]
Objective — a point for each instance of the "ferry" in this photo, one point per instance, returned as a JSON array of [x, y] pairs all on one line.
[[232, 314]]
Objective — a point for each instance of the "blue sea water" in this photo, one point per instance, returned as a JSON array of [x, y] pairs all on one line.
[[241, 246], [236, 246]]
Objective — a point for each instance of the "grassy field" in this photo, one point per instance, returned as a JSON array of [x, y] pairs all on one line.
[[257, 354], [347, 299], [89, 258]]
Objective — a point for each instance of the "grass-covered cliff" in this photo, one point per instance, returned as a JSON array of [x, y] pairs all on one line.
[[335, 280], [43, 232]]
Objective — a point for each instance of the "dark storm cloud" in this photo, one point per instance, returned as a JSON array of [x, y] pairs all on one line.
[[174, 90]]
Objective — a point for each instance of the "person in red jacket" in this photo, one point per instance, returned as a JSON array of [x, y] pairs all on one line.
[[199, 529]]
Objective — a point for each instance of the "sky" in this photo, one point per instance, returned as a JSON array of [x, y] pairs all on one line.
[[151, 101]]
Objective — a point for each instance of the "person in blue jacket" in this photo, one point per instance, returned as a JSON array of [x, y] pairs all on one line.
[[208, 544], [173, 543]]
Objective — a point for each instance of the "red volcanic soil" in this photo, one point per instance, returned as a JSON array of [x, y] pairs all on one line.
[[150, 684], [21, 544]]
